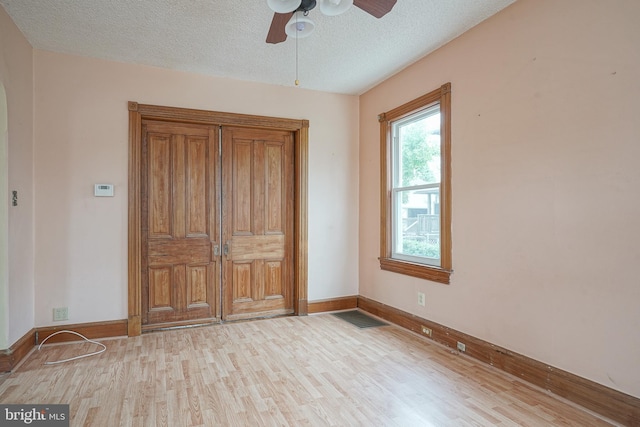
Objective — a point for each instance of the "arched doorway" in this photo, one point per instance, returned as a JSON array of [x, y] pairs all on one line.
[[4, 222]]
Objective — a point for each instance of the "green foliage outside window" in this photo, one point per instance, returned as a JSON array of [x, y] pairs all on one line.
[[417, 154], [421, 248]]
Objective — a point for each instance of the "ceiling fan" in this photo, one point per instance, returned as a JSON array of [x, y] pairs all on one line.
[[290, 16]]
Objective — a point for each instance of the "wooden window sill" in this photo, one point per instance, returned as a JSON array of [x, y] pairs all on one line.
[[421, 271]]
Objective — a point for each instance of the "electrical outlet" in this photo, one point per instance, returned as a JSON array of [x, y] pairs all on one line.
[[61, 313], [426, 331], [421, 298], [461, 347]]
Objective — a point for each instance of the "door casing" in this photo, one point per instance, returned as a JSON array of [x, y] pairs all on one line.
[[299, 128]]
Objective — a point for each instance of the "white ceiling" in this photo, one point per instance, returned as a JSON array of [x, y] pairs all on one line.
[[348, 54]]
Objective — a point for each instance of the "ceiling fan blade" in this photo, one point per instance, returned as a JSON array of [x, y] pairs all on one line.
[[276, 32], [377, 8]]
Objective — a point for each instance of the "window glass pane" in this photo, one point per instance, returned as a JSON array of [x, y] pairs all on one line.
[[416, 222], [417, 149]]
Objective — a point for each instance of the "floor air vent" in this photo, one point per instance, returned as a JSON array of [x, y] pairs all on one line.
[[359, 319]]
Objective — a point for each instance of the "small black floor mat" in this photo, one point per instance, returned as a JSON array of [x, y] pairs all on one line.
[[359, 319]]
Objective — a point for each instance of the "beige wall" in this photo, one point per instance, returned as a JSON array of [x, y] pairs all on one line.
[[16, 160], [546, 179], [81, 136]]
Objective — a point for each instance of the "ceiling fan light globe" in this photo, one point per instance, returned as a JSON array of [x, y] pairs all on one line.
[[334, 7], [299, 26], [284, 6]]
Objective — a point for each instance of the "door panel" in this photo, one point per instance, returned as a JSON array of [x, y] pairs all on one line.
[[197, 284], [180, 224], [257, 223], [159, 185], [196, 188], [275, 213], [242, 157], [160, 288]]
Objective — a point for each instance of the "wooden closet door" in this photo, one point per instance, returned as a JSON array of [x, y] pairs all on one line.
[[257, 223], [180, 227]]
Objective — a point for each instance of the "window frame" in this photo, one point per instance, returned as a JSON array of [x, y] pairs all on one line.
[[441, 274]]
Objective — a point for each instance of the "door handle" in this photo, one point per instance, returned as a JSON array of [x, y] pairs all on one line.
[[225, 249], [215, 249]]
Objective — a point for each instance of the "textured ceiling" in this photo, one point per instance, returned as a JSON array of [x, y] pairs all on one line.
[[348, 54]]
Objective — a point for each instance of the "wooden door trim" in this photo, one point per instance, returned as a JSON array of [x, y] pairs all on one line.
[[300, 129]]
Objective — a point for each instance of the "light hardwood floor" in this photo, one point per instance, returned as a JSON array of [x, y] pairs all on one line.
[[289, 371]]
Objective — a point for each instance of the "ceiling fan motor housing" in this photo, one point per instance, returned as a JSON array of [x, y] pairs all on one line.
[[306, 5]]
